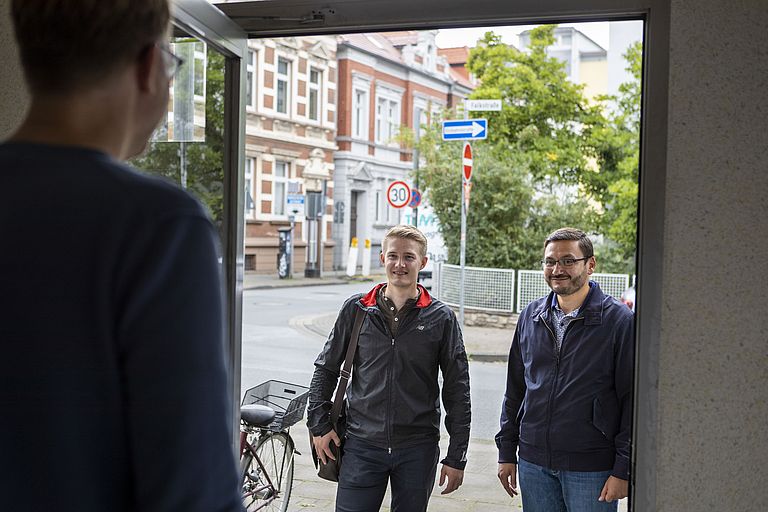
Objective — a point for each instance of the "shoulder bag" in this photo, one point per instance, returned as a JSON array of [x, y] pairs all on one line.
[[330, 470]]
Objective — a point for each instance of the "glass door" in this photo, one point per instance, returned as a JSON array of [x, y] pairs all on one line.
[[199, 146]]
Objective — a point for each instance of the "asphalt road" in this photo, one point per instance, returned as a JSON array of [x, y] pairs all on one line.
[[273, 349]]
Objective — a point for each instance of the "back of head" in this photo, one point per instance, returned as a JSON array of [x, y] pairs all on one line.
[[66, 45], [409, 233]]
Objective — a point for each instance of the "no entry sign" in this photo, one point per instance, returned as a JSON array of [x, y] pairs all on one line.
[[399, 194], [466, 161]]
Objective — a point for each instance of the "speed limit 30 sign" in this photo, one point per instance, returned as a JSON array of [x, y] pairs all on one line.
[[399, 194]]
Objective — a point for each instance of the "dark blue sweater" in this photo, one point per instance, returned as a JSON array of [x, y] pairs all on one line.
[[571, 410], [112, 376]]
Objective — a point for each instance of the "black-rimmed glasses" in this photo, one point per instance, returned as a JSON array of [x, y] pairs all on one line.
[[564, 262], [172, 61]]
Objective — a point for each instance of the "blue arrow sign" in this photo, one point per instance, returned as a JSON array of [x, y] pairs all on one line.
[[465, 129]]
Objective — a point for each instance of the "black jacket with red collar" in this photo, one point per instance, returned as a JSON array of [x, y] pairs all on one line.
[[393, 395]]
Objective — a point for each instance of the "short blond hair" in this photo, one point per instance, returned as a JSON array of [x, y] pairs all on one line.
[[66, 45], [409, 233]]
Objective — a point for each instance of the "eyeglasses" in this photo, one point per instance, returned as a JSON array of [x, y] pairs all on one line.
[[172, 61], [564, 262]]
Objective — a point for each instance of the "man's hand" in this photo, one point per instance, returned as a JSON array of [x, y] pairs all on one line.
[[508, 478], [614, 489], [455, 478], [323, 446]]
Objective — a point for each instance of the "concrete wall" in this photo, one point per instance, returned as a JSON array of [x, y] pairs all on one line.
[[713, 440], [13, 96], [713, 367]]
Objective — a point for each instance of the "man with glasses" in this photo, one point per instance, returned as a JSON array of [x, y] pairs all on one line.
[[567, 410], [114, 392]]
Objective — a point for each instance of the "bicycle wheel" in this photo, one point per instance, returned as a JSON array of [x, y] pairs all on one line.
[[275, 450]]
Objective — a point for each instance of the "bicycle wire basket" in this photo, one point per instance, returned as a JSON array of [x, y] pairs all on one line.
[[288, 400]]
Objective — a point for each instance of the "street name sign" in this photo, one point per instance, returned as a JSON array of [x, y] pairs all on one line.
[[294, 204], [399, 194], [488, 105], [465, 129]]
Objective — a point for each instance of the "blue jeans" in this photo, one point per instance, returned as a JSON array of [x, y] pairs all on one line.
[[366, 469], [548, 490]]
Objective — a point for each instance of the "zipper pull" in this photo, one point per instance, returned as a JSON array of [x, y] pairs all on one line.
[[389, 450], [393, 342]]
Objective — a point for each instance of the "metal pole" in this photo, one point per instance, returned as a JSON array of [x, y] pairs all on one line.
[[183, 164], [463, 253], [416, 170]]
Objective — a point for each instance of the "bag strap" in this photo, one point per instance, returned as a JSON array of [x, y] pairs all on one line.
[[346, 371]]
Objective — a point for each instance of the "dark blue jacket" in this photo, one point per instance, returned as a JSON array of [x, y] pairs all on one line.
[[572, 410]]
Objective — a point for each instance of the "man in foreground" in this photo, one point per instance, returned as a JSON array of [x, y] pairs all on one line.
[[113, 393], [393, 413], [567, 410]]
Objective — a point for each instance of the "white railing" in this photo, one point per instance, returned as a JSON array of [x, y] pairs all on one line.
[[489, 289], [495, 289], [531, 286]]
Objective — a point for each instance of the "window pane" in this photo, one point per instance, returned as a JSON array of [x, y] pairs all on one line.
[[282, 66], [280, 169], [313, 105], [278, 202], [282, 95], [314, 76]]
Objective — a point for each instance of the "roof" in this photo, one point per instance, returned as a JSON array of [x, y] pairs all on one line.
[[373, 43], [459, 55], [402, 38]]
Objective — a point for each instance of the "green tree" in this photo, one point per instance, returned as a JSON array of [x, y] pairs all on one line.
[[525, 184], [617, 145], [552, 158], [544, 115]]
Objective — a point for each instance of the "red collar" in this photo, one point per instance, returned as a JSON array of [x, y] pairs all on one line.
[[369, 299]]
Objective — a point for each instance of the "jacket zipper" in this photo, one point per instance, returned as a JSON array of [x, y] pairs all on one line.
[[389, 395], [554, 382], [551, 393]]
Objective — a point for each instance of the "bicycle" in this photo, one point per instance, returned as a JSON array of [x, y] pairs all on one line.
[[266, 448]]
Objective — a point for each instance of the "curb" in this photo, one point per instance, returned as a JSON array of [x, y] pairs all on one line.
[[295, 283], [488, 358]]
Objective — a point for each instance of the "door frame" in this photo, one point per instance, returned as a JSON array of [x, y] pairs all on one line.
[[207, 23], [279, 18]]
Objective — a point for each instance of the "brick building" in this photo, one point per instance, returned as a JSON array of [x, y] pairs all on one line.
[[386, 81], [291, 97]]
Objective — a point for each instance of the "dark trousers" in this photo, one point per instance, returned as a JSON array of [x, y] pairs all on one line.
[[367, 469]]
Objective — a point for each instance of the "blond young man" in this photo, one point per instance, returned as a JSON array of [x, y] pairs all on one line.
[[392, 407], [114, 394]]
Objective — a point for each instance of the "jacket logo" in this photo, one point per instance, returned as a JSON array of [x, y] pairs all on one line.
[[421, 327]]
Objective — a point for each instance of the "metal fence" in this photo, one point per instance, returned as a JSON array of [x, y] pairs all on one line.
[[494, 289], [531, 285], [484, 288]]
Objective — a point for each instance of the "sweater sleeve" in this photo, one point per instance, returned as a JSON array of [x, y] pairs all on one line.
[[456, 397], [509, 433], [169, 332], [624, 365]]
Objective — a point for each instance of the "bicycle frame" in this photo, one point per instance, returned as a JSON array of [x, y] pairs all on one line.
[[245, 446]]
